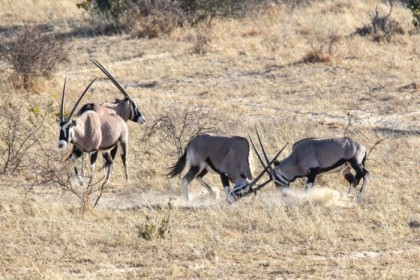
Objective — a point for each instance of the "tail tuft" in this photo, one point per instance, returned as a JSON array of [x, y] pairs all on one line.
[[177, 168]]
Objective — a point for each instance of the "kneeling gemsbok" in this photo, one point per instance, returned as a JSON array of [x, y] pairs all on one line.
[[313, 156], [229, 156]]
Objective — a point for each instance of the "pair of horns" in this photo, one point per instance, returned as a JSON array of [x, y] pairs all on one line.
[[77, 103], [105, 71], [116, 83], [267, 168]]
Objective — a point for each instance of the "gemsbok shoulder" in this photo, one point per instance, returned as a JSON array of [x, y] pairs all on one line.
[[126, 108], [228, 156], [311, 157], [92, 132]]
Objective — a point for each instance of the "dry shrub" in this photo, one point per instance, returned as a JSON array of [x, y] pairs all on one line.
[[293, 4], [322, 49], [202, 39], [20, 135], [381, 28], [150, 19], [316, 56], [175, 128], [32, 54], [152, 26]]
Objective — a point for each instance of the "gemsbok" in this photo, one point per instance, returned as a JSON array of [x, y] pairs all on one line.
[[126, 108], [229, 156], [313, 156], [92, 132]]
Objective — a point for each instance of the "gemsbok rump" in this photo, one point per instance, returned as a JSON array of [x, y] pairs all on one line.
[[313, 156], [92, 132], [126, 108], [229, 156]]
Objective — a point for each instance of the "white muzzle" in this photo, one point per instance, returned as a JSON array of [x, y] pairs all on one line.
[[62, 144]]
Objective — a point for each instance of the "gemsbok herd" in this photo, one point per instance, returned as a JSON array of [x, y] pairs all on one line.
[[102, 128]]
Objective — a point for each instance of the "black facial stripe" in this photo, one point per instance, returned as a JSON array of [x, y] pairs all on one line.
[[281, 179], [136, 111], [64, 133]]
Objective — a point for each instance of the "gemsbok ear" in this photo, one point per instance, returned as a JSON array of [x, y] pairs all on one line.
[[276, 163]]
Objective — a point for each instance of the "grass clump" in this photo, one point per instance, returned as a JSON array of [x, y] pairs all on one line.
[[158, 227]]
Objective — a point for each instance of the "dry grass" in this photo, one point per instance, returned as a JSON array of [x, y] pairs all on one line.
[[250, 75]]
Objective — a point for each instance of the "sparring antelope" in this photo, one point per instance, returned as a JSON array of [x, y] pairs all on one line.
[[126, 108], [229, 156], [92, 132], [313, 156]]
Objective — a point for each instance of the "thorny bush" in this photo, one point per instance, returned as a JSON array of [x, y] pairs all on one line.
[[33, 53]]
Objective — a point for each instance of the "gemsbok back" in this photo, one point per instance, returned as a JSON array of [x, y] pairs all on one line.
[[313, 156], [92, 132], [126, 108], [229, 156]]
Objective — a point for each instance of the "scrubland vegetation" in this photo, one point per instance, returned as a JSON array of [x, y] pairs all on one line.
[[292, 69]]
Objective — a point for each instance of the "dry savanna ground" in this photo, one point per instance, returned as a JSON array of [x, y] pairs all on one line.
[[251, 74]]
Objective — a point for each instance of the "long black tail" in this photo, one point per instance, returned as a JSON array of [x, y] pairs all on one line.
[[177, 168]]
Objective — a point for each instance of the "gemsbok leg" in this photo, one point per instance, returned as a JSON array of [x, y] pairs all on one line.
[[200, 179], [188, 178]]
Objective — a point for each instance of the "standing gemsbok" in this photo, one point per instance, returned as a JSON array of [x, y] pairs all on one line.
[[313, 156], [229, 156], [126, 108], [92, 132]]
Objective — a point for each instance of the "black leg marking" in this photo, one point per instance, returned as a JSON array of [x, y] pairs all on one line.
[[203, 173], [225, 179], [123, 157], [108, 159], [191, 174], [93, 157], [351, 179], [311, 178], [114, 152], [360, 171], [76, 152]]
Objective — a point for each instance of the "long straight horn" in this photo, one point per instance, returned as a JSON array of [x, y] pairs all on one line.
[[258, 155], [62, 102], [116, 83], [80, 98], [267, 167], [262, 148]]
